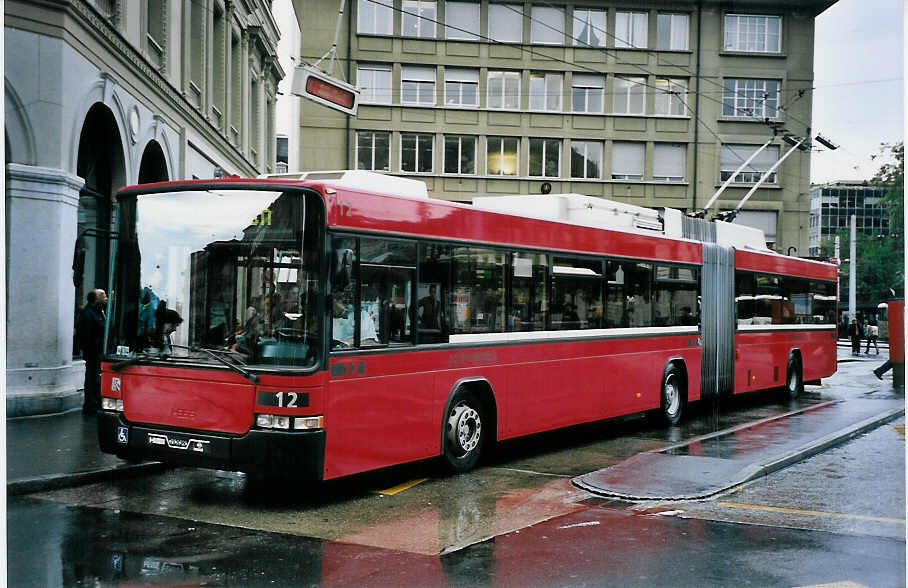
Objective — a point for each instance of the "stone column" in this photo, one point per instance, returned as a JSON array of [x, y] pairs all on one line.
[[41, 376]]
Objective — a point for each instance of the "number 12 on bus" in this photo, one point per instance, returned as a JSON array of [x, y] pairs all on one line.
[[366, 325]]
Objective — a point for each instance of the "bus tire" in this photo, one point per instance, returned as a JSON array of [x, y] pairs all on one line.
[[794, 379], [465, 432], [672, 395]]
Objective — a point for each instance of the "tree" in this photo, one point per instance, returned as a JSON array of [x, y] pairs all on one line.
[[881, 263]]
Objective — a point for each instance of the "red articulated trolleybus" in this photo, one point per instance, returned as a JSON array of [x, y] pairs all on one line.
[[340, 322]]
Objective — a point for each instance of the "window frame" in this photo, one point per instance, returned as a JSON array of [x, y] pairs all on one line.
[[368, 96], [733, 96], [736, 46], [600, 26], [584, 83], [502, 139], [374, 134], [546, 94], [459, 35], [631, 42], [665, 178], [408, 75], [754, 172], [626, 95], [505, 76], [510, 11], [543, 158], [670, 96], [451, 77], [660, 18], [587, 143], [629, 177], [426, 27], [460, 138], [378, 11], [538, 36], [416, 152]]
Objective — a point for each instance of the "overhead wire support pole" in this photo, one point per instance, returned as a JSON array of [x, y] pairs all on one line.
[[734, 175], [730, 217]]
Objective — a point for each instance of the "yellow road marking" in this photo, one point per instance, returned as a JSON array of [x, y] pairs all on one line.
[[816, 513], [900, 429], [400, 487]]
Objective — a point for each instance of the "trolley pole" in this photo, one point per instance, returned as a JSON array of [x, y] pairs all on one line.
[[853, 271]]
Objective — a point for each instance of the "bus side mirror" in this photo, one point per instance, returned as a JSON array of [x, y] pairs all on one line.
[[343, 269]]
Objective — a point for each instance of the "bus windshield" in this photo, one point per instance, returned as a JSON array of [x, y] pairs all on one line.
[[220, 276]]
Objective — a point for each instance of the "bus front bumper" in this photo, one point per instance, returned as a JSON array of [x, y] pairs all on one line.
[[298, 454]]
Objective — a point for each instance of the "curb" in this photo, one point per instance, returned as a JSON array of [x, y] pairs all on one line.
[[823, 443], [756, 470], [58, 481]]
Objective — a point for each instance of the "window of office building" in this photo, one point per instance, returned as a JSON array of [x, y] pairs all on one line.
[[506, 23], [545, 91], [672, 32], [503, 90], [374, 19], [419, 17], [587, 92], [671, 97], [669, 162], [417, 85], [631, 29], [462, 20], [373, 150], [733, 155], [374, 83], [753, 33], [416, 152], [547, 25], [461, 87], [501, 156], [627, 160], [586, 160], [750, 98], [155, 41], [545, 158], [629, 95], [460, 154], [589, 27]]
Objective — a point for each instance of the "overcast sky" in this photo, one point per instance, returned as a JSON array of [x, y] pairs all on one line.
[[858, 100]]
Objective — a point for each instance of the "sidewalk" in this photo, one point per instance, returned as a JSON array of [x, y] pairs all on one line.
[[56, 451]]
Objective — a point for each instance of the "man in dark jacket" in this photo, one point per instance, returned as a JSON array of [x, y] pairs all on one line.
[[90, 330], [854, 332]]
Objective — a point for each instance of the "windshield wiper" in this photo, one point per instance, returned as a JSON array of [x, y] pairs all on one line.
[[134, 360], [216, 355]]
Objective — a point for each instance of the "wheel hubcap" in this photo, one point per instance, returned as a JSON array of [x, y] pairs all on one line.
[[464, 428], [672, 396]]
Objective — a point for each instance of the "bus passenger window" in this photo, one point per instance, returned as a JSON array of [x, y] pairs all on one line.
[[629, 298], [529, 300], [576, 293], [478, 295], [675, 296], [433, 293], [385, 297]]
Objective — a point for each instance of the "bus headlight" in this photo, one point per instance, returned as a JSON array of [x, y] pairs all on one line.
[[112, 404], [272, 421], [304, 423]]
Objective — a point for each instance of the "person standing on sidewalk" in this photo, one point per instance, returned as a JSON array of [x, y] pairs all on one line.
[[90, 331], [854, 331], [873, 333]]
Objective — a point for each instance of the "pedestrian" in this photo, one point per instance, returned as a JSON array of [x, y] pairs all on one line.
[[878, 372], [90, 332], [873, 333], [854, 331]]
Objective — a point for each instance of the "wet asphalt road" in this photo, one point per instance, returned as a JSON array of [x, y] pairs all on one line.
[[516, 521]]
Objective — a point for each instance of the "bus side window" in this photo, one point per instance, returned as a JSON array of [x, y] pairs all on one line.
[[529, 300], [433, 293]]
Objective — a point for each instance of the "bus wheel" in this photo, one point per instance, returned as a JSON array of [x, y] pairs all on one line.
[[794, 382], [672, 403], [464, 433]]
